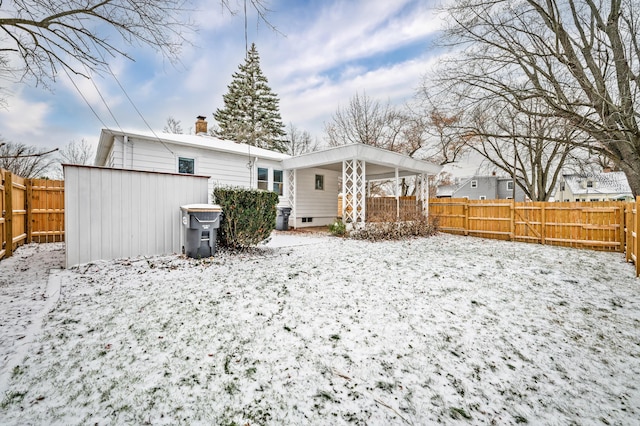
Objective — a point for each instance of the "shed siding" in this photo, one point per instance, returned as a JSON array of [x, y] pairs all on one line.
[[322, 206], [112, 213]]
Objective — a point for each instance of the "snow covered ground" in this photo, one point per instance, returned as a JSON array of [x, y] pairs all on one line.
[[322, 330]]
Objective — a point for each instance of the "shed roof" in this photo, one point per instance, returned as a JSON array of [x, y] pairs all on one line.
[[381, 163], [197, 141]]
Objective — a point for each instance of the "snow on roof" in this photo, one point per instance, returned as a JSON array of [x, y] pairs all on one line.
[[388, 160], [446, 190], [602, 183], [197, 141]]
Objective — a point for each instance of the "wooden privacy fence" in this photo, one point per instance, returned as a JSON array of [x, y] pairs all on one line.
[[32, 211], [607, 226], [633, 227], [379, 209]]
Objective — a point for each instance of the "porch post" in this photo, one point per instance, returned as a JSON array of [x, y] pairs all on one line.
[[424, 194], [291, 194], [397, 195], [353, 192]]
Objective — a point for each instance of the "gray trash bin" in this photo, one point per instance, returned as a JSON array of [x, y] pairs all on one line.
[[201, 223], [282, 218]]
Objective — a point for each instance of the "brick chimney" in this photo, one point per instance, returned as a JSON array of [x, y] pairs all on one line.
[[201, 126]]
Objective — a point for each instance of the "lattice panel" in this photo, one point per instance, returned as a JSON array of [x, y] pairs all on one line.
[[424, 193], [354, 191], [360, 193], [347, 191], [291, 193]]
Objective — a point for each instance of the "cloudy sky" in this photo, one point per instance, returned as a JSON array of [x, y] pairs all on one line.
[[325, 52]]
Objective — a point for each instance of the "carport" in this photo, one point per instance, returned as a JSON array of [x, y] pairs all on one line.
[[355, 165]]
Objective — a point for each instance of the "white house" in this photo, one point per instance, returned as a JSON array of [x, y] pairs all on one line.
[[309, 183], [226, 162], [605, 186]]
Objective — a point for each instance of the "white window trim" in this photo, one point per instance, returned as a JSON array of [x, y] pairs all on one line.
[[474, 184], [482, 197], [269, 177], [273, 180], [185, 157], [315, 176], [510, 185]]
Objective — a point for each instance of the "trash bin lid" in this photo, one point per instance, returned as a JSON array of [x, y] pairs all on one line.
[[191, 208]]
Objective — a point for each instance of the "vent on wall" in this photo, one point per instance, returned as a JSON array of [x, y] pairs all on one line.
[[307, 219]]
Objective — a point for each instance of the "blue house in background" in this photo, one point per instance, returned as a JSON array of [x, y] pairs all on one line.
[[482, 188]]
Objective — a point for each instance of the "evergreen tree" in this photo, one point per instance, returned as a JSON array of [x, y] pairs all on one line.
[[251, 114]]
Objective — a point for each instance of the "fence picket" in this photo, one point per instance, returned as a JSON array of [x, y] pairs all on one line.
[[32, 211]]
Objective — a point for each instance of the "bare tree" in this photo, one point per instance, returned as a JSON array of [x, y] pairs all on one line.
[[437, 128], [25, 161], [299, 141], [77, 153], [580, 58], [365, 121], [173, 126], [42, 37], [73, 153], [533, 149]]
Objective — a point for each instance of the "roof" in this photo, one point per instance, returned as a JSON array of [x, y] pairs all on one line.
[[446, 190], [380, 163], [197, 141], [604, 183]]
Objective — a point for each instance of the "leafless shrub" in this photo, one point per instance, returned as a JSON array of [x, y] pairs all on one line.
[[392, 229]]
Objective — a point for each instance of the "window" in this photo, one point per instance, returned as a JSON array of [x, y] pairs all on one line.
[[561, 186], [263, 178], [483, 197], [320, 182], [277, 181], [589, 184], [510, 185], [474, 183], [186, 165]]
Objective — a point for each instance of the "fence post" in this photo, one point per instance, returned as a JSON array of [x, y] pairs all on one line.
[[512, 220], [466, 218], [636, 227], [543, 223], [622, 225], [8, 205], [628, 228], [29, 208]]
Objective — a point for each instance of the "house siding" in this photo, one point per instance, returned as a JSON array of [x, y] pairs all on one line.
[[486, 187], [321, 205], [224, 169], [491, 187]]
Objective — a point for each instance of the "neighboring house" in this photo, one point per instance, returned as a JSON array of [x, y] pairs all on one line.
[[482, 188], [309, 183], [605, 186]]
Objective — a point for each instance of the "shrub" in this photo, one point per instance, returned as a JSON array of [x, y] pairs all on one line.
[[338, 228], [248, 216], [418, 226]]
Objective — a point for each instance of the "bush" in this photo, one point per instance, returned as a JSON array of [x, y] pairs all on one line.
[[418, 226], [248, 216], [338, 228]]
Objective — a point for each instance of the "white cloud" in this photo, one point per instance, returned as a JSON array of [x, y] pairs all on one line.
[[23, 120], [310, 107], [348, 31]]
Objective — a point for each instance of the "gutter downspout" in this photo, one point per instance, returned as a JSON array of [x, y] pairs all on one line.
[[125, 141]]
